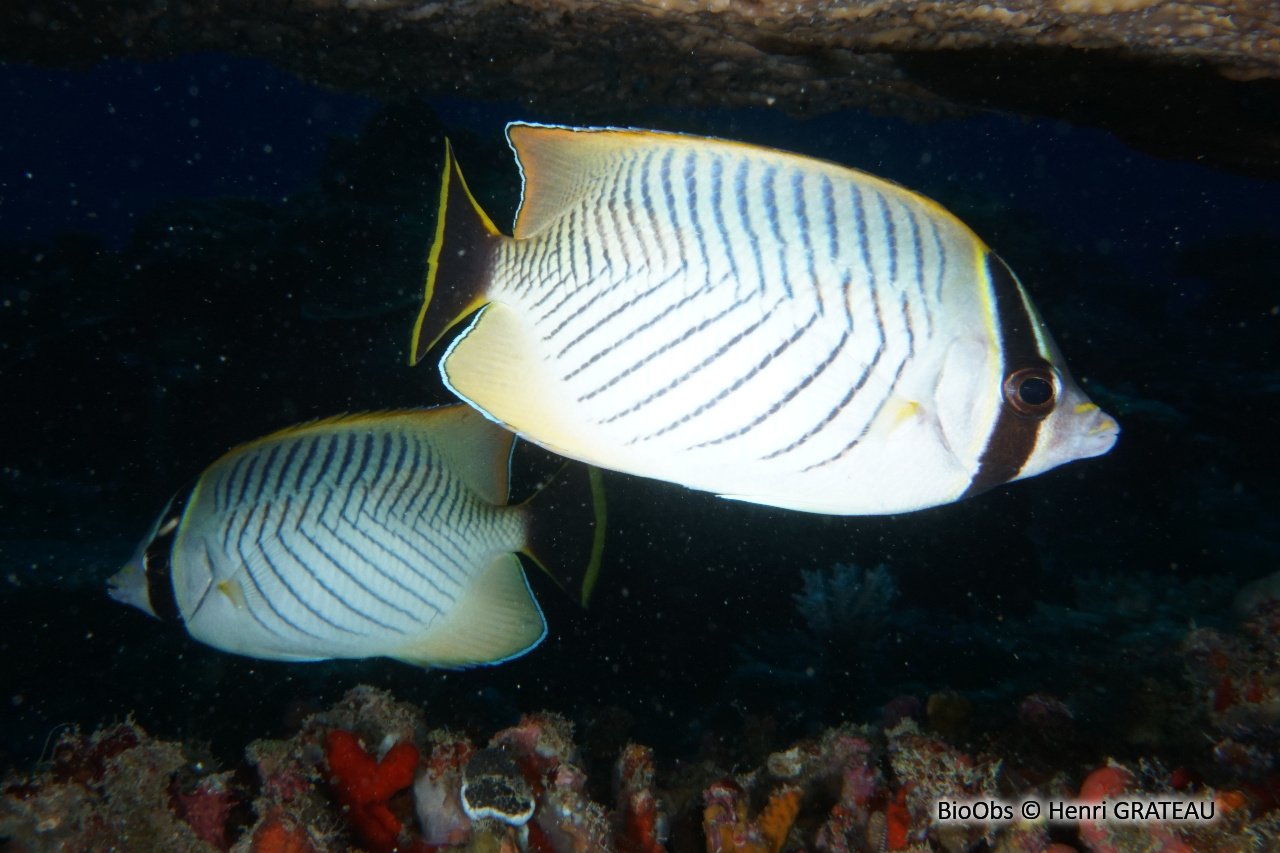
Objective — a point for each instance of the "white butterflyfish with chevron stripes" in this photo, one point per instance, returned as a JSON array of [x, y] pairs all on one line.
[[383, 534], [744, 321]]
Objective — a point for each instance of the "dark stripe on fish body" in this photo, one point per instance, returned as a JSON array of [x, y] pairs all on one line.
[[891, 236], [384, 441], [867, 427], [681, 338], [669, 198], [342, 524], [646, 198], [228, 480], [453, 513], [428, 559], [560, 303], [548, 248], [573, 242], [616, 312], [744, 215], [738, 383], [283, 470], [942, 258], [919, 261], [444, 530], [433, 562], [314, 575], [597, 215], [348, 448], [248, 476], [521, 269], [611, 207], [543, 248], [599, 293], [426, 481], [717, 210], [853, 389], [566, 256], [1013, 438], [797, 191], [906, 323], [360, 530], [647, 324], [268, 469], [437, 536], [829, 219], [691, 191], [444, 510], [248, 571], [366, 456], [787, 398], [304, 513], [313, 447], [253, 613], [393, 482], [771, 209], [704, 363], [330, 451], [628, 206], [275, 570], [860, 221], [337, 564]]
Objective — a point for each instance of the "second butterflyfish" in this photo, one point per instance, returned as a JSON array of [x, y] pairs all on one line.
[[749, 322], [369, 535]]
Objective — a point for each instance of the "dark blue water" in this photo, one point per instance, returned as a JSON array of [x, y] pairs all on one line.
[[195, 253]]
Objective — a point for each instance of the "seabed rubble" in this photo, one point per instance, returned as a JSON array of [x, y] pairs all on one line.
[[369, 774]]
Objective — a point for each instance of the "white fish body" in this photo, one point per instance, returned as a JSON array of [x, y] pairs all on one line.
[[753, 323], [372, 535]]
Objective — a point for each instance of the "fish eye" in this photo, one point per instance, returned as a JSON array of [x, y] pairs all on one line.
[[1032, 391]]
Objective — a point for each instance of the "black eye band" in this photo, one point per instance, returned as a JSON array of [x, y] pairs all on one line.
[[1013, 436], [157, 560]]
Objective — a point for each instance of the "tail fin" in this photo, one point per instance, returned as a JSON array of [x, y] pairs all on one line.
[[460, 263], [558, 540]]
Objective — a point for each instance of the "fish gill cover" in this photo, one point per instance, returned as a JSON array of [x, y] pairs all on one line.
[[1108, 626]]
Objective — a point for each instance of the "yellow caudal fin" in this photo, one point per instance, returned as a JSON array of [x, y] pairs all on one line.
[[460, 263], [497, 619], [566, 527]]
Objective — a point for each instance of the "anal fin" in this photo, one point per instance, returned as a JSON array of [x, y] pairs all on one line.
[[496, 620], [494, 366]]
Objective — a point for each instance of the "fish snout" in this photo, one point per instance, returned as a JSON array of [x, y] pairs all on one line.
[[1098, 431]]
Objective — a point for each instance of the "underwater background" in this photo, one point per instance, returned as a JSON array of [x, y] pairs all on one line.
[[198, 251]]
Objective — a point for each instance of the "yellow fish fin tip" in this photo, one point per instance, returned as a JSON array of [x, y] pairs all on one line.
[[460, 263], [565, 529]]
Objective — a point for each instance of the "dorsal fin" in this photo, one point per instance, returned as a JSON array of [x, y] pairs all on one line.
[[476, 450], [559, 164]]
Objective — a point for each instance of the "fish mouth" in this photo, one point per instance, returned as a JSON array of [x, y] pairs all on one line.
[[1102, 436]]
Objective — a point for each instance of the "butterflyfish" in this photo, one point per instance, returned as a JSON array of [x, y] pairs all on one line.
[[370, 535], [753, 323]]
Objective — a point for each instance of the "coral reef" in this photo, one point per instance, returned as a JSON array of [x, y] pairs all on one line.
[[117, 786], [847, 601], [851, 789], [364, 786], [1237, 678]]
